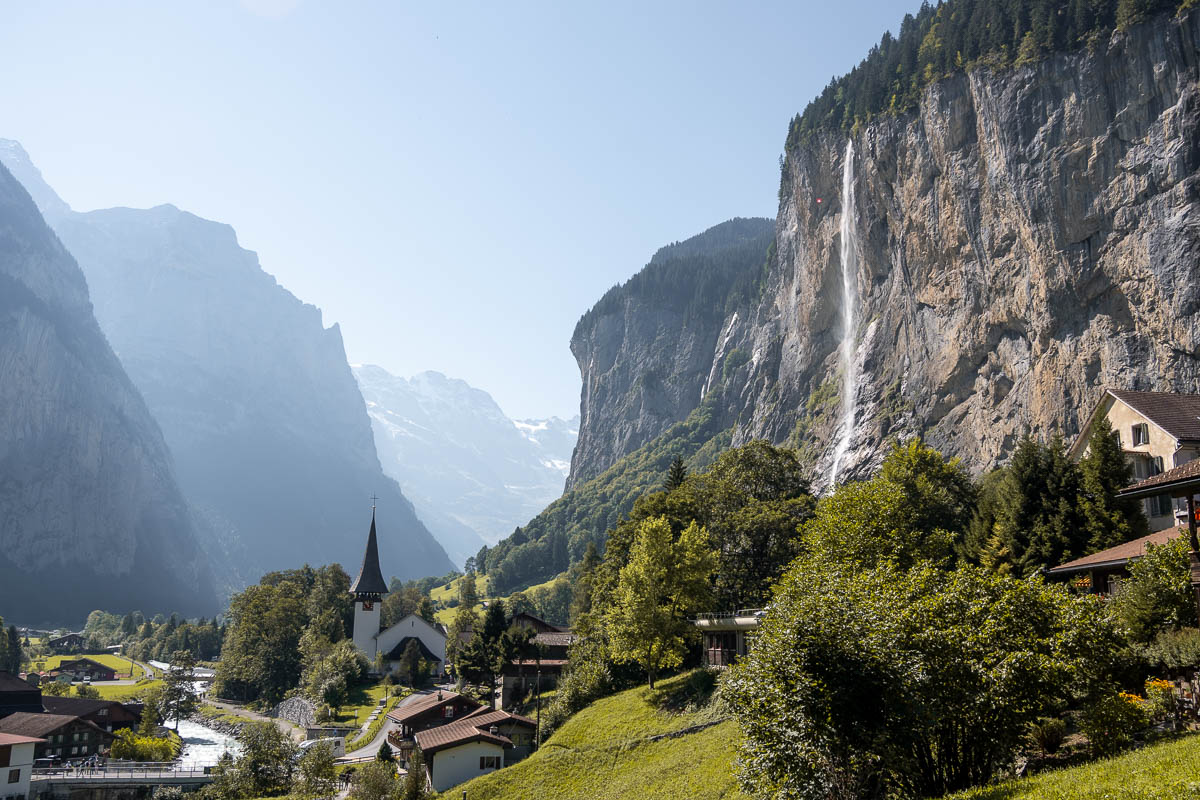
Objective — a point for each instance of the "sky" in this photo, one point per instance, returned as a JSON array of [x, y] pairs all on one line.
[[453, 184]]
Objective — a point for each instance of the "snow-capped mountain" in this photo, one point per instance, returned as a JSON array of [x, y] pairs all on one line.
[[472, 473]]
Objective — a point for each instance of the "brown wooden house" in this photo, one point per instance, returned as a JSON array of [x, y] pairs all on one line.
[[17, 695], [80, 668], [107, 714], [67, 737]]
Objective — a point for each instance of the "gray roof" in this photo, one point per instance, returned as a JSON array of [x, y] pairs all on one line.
[[1177, 414], [370, 579]]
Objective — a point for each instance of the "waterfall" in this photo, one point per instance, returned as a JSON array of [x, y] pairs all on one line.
[[849, 248]]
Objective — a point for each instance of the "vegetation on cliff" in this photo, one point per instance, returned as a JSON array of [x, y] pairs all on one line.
[[958, 35]]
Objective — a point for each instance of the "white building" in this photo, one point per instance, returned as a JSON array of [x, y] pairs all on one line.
[[16, 765], [368, 590], [482, 742]]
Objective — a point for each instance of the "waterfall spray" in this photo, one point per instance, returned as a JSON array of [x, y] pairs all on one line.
[[849, 248]]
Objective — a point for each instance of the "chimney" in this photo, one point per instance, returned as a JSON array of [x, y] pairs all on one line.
[[494, 731], [439, 695]]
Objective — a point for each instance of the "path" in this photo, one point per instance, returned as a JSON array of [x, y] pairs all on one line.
[[289, 729], [388, 725]]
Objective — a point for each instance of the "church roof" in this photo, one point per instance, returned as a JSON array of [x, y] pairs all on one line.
[[370, 579], [397, 652]]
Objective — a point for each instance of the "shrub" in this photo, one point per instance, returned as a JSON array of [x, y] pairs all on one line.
[[588, 679], [1160, 699], [1175, 651], [1048, 734], [1110, 722]]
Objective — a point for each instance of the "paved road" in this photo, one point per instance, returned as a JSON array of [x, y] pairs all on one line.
[[373, 748]]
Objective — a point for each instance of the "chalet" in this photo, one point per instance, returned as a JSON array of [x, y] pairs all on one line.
[[107, 714], [424, 712], [1157, 431], [725, 634], [482, 742], [81, 668], [541, 670], [18, 696], [1102, 573], [16, 765], [67, 643], [66, 737]]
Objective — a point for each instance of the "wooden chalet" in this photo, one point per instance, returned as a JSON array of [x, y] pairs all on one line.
[[67, 737], [107, 714], [18, 696], [424, 712], [482, 742], [80, 668]]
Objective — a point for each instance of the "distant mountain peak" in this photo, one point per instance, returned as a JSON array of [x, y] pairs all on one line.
[[13, 156]]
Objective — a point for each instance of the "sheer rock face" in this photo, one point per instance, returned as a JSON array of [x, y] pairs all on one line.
[[648, 360], [90, 513], [1027, 238], [254, 394]]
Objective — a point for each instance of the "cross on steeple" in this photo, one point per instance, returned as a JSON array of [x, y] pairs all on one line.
[[373, 499]]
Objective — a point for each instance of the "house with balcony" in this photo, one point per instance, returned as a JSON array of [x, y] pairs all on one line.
[[543, 667], [425, 712], [482, 742], [1157, 431], [725, 634]]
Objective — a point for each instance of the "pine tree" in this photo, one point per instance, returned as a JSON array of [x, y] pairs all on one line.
[[385, 753], [675, 475], [415, 786], [1110, 520]]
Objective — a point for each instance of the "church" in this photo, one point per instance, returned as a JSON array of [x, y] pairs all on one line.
[[368, 590]]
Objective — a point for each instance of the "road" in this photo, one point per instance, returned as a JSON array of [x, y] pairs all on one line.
[[373, 748], [289, 729]]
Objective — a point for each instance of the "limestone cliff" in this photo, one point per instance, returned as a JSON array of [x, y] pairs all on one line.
[[90, 513], [1026, 237]]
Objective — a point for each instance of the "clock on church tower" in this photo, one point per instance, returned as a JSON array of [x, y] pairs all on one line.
[[368, 590]]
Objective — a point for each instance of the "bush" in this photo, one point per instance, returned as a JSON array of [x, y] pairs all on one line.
[[1110, 722], [587, 679], [130, 746], [1175, 651], [1048, 734], [1160, 699]]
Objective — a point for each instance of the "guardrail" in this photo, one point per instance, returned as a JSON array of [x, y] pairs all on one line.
[[125, 770]]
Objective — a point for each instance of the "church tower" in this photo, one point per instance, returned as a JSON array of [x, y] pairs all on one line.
[[368, 590]]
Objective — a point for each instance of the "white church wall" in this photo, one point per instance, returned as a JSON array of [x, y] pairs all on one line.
[[366, 626], [412, 625]]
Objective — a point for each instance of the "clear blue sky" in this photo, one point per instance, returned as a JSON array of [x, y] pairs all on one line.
[[454, 184]]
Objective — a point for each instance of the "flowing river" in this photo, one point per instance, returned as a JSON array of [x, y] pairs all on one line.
[[202, 746]]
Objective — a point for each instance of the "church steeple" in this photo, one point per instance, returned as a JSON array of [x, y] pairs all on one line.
[[370, 583]]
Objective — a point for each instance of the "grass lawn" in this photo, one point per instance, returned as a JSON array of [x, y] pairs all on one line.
[[121, 664], [1169, 770], [355, 742], [126, 692], [362, 702], [444, 594], [602, 752]]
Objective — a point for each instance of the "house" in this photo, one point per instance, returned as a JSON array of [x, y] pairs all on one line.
[[1157, 431], [482, 742], [81, 668], [16, 765], [424, 712], [17, 696], [1102, 573], [541, 670], [725, 634], [107, 714], [368, 590], [68, 643], [66, 736]]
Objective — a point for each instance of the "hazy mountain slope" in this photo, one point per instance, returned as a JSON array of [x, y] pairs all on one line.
[[472, 473], [253, 393], [90, 514]]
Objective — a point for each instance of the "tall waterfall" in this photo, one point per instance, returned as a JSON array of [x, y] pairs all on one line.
[[849, 248]]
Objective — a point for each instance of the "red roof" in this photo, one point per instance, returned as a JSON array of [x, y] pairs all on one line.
[[1119, 555], [12, 738], [425, 704], [475, 727]]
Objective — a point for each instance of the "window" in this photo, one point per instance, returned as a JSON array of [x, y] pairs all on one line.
[[1156, 465], [1140, 434], [14, 775], [102, 712], [1116, 435], [489, 762], [74, 751], [5, 755], [449, 712]]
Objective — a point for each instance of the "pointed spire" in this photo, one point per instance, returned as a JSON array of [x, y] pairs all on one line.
[[370, 578]]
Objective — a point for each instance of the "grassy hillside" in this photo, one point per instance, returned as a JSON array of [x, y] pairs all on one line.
[[121, 664], [605, 752], [1170, 771]]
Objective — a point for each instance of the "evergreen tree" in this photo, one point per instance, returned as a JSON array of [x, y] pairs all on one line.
[[415, 783], [1110, 520], [14, 653], [385, 753], [675, 475]]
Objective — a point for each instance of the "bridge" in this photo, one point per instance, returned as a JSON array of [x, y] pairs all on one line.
[[62, 781]]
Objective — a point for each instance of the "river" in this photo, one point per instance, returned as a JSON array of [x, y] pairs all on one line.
[[202, 746]]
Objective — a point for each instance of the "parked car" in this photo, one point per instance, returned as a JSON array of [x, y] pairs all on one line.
[[337, 744]]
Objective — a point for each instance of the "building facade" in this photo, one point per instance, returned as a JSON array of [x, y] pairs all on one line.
[[1157, 431], [16, 765]]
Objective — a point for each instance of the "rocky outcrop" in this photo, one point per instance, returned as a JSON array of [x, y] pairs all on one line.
[[1027, 237], [90, 513], [254, 394], [652, 347], [472, 473]]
